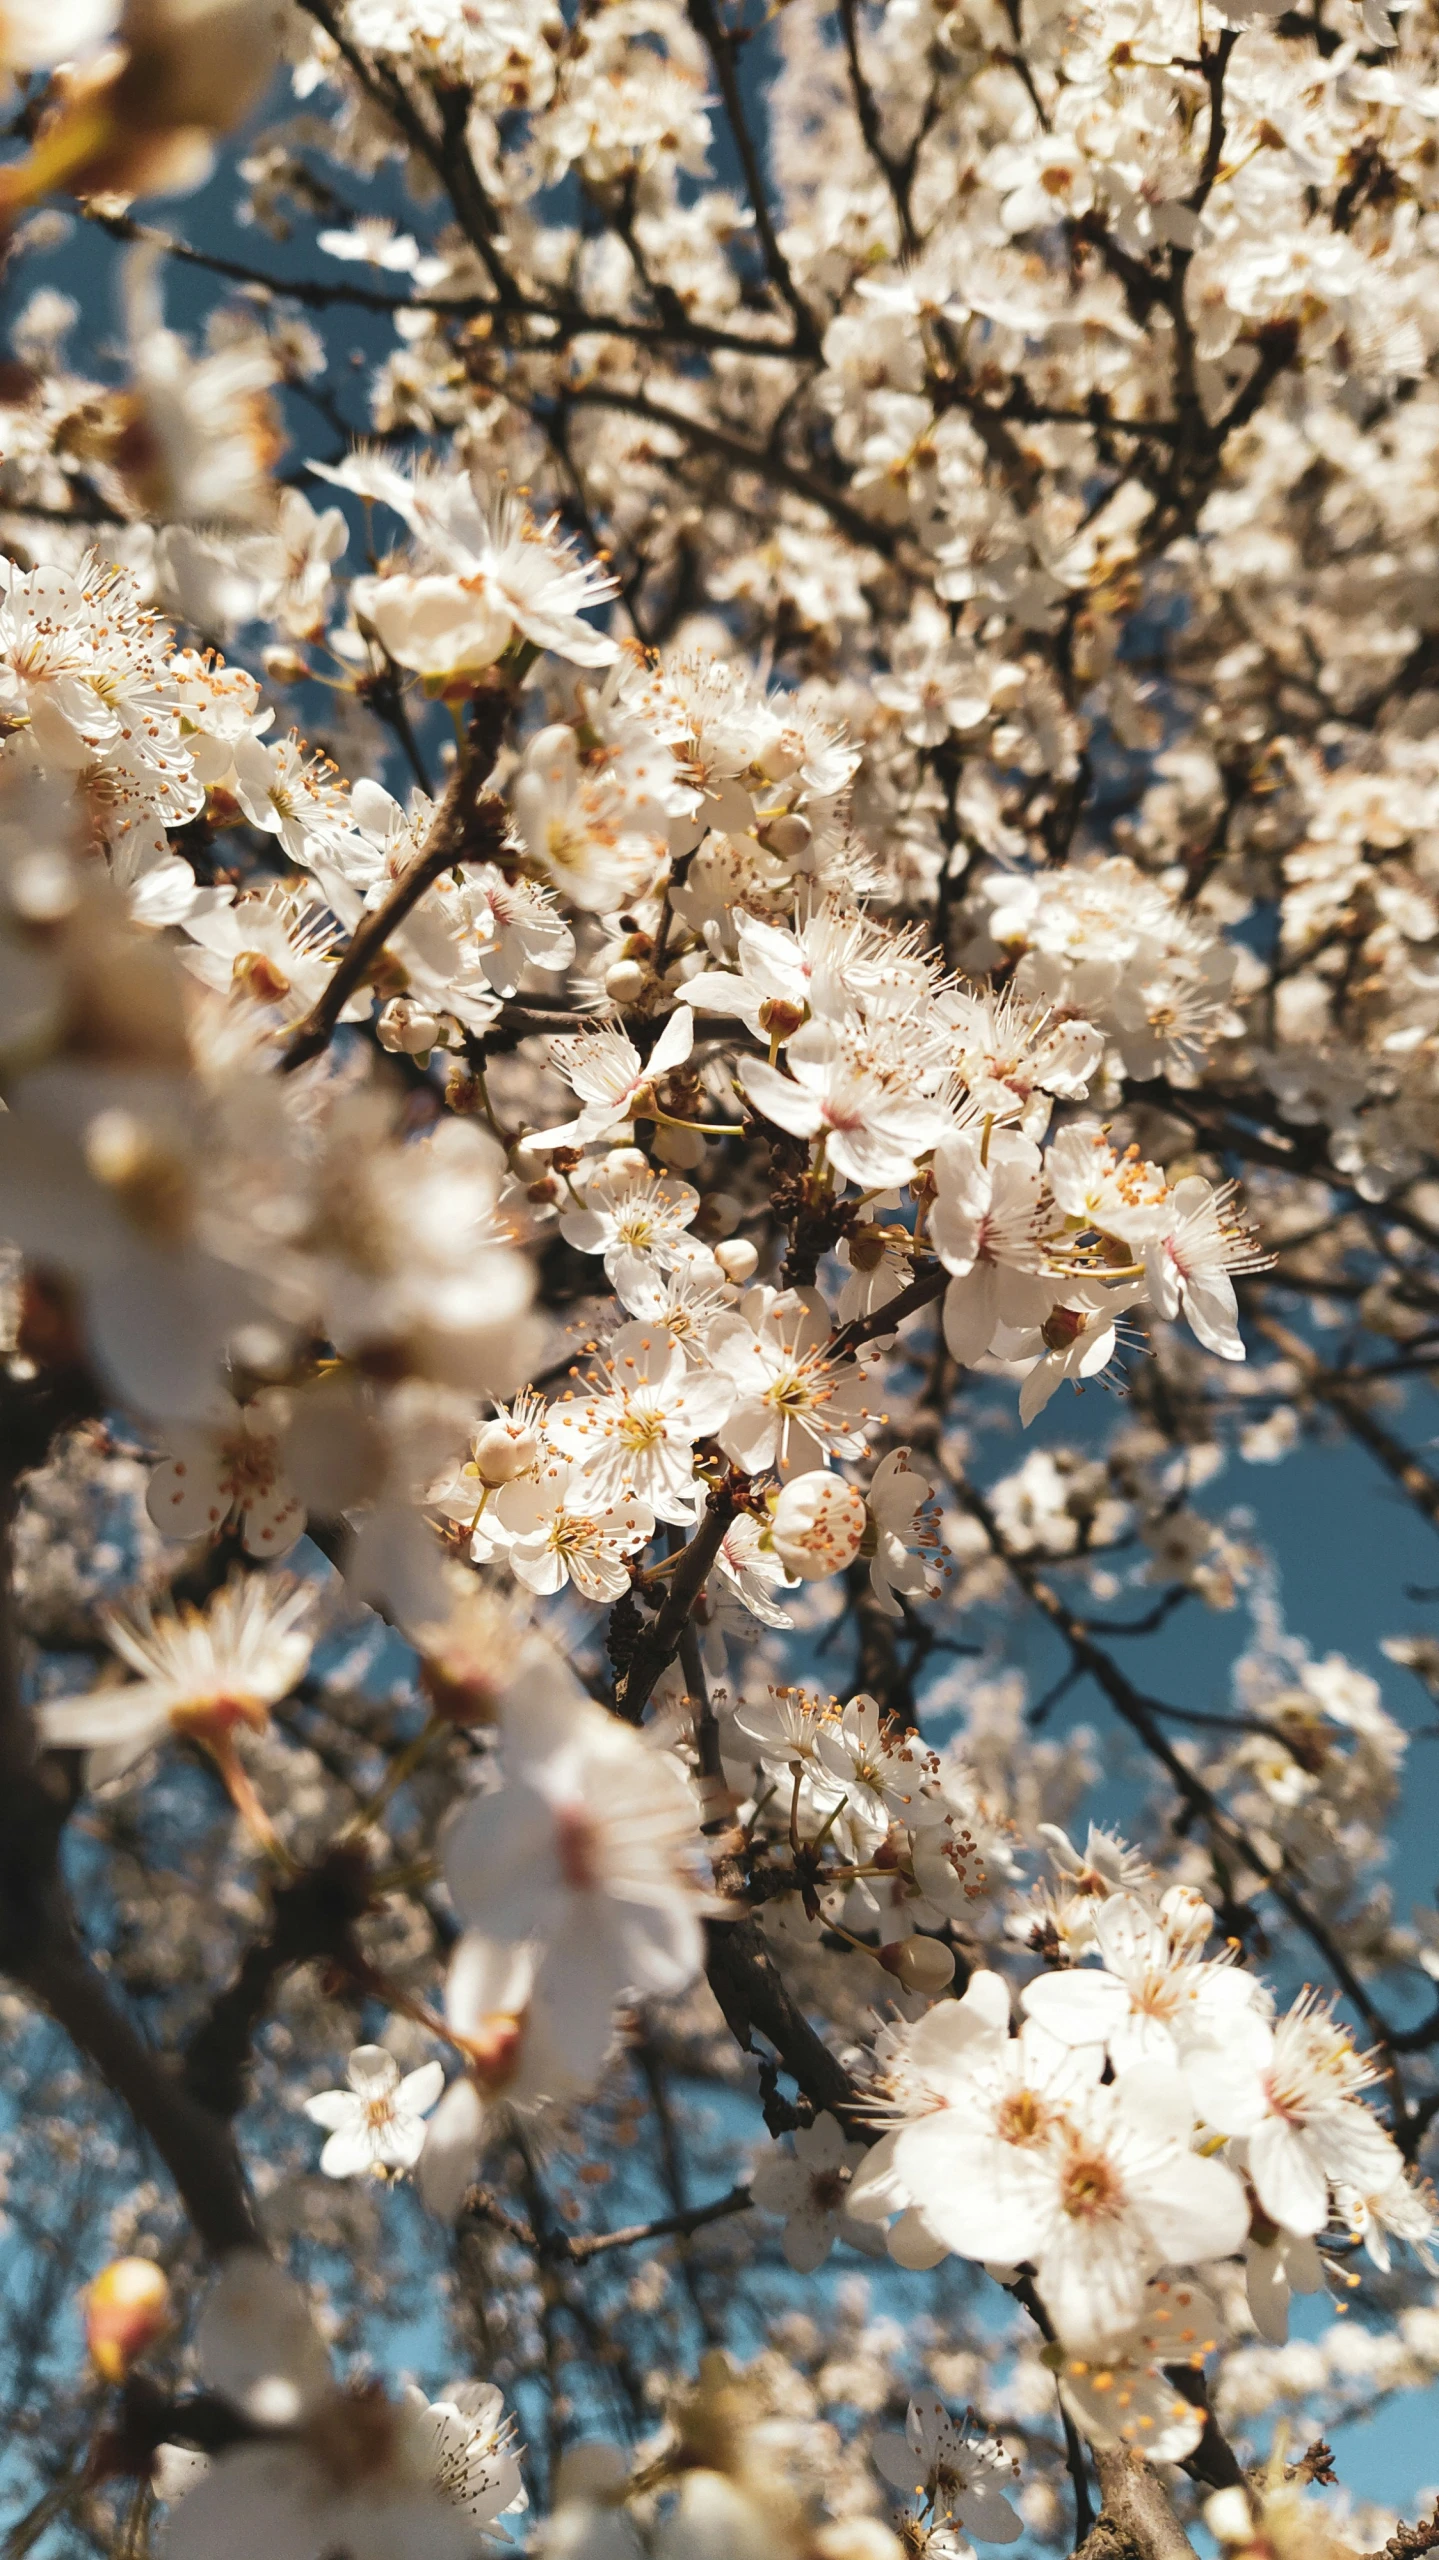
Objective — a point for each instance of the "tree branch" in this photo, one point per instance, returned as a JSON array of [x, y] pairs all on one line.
[[469, 826]]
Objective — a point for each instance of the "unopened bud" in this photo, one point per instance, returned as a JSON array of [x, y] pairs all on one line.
[[284, 665], [126, 2309], [865, 1246], [790, 835], [1063, 1327], [738, 1260], [819, 1525], [779, 1019], [503, 1450], [409, 1027], [624, 982], [921, 1964], [621, 1162], [682, 1149], [44, 888]]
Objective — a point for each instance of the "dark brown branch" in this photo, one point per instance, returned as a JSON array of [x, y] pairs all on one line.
[[1138, 2522], [39, 1950], [659, 1641], [866, 109], [195, 2145], [862, 530], [670, 2225], [469, 826], [746, 1982], [1142, 1715], [1348, 1399], [921, 1292], [562, 321], [720, 46], [311, 1916], [1411, 2540]]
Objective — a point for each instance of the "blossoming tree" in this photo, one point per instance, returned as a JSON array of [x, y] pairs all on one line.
[[800, 813]]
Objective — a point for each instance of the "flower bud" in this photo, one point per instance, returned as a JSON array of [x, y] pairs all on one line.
[[738, 1260], [925, 1965], [44, 887], [624, 1160], [624, 982], [409, 1027], [502, 1451], [789, 836], [681, 1149], [778, 1018], [285, 665], [1187, 1916], [819, 1524], [126, 2309]]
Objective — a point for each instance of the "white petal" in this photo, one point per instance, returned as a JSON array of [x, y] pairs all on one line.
[[419, 2090], [1291, 2185], [1080, 2007]]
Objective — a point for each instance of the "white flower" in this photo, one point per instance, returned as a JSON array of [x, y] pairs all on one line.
[[593, 842], [372, 242], [865, 1772], [1291, 2091], [378, 2122], [897, 1497], [818, 1525], [409, 1253], [1189, 1266], [952, 2472], [1278, 2264], [560, 1528], [292, 796], [747, 1574], [485, 574], [1097, 2189], [611, 1078], [269, 944], [40, 33], [475, 2461], [989, 1229], [793, 1409], [105, 1175], [634, 1437], [587, 1850], [223, 1471], [808, 2186], [1126, 2396], [201, 1674], [334, 2471], [874, 1131], [513, 2063], [1153, 2001], [637, 1220], [293, 564], [1077, 1340], [527, 930]]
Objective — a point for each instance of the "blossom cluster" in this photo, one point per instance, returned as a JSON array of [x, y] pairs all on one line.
[[816, 821]]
